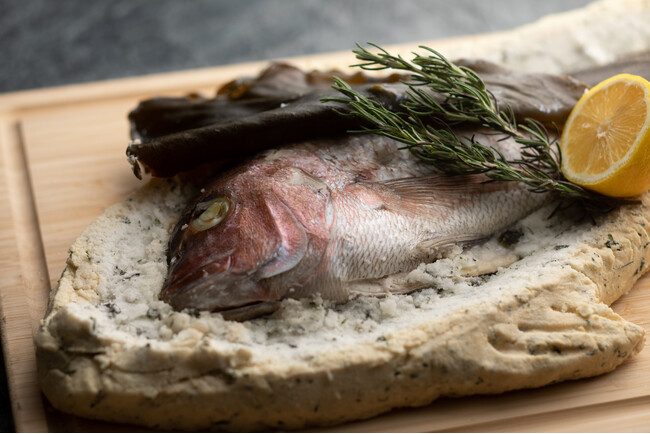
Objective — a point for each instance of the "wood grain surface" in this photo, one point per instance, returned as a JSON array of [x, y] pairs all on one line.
[[62, 163]]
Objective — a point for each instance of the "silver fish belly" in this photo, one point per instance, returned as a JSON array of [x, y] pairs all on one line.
[[337, 218]]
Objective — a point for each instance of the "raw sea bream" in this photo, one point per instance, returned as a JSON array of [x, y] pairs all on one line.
[[335, 217]]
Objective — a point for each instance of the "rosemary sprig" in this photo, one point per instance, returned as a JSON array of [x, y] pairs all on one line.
[[424, 126]]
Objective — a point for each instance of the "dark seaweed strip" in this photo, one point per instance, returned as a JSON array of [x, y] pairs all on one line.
[[638, 64], [159, 117], [170, 154]]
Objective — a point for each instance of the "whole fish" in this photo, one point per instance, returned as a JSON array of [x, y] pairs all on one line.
[[339, 217]]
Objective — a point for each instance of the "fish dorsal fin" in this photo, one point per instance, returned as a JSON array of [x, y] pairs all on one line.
[[442, 191]]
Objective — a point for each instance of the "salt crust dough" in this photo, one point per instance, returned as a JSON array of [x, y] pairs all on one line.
[[109, 349]]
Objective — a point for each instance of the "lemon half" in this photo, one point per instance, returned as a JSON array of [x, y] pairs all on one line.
[[605, 143]]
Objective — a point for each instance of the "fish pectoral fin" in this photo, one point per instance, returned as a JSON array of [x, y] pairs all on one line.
[[383, 286], [442, 192]]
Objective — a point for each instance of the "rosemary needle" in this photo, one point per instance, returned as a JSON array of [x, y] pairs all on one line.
[[423, 125]]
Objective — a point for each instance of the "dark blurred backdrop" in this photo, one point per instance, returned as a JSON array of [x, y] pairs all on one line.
[[55, 42]]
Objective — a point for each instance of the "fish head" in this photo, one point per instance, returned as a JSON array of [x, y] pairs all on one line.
[[228, 251]]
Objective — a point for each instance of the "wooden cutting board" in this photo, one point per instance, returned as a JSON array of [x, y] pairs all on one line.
[[62, 162]]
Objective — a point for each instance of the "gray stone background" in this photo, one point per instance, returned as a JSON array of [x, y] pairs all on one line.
[[55, 42]]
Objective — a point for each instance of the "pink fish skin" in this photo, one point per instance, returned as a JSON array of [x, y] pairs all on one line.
[[336, 217]]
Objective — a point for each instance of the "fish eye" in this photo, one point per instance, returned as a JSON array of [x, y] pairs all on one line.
[[214, 211]]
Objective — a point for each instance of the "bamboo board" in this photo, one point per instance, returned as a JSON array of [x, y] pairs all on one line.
[[62, 162]]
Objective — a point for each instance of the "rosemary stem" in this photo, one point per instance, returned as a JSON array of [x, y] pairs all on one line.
[[423, 125]]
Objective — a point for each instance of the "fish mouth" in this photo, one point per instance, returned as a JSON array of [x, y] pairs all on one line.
[[237, 297]]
